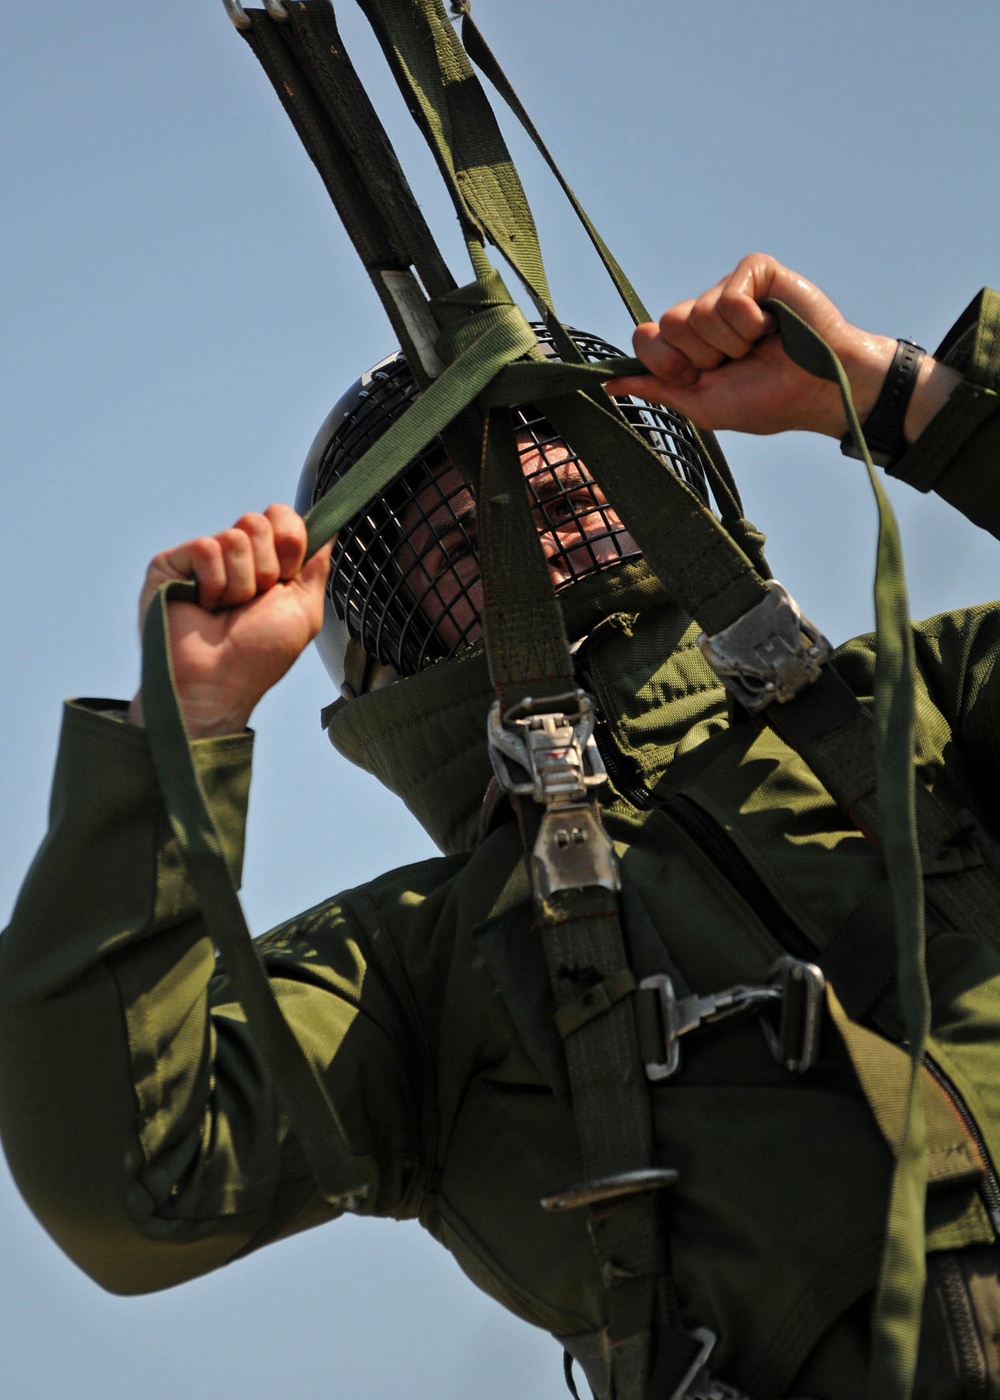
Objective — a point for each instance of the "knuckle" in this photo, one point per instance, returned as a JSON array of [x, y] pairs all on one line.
[[702, 314], [253, 522]]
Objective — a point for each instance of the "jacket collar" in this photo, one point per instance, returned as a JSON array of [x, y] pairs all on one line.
[[424, 737]]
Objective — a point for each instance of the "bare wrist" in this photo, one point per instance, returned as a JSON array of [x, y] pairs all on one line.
[[207, 724], [935, 384]]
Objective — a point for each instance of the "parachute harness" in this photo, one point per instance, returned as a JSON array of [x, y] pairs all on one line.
[[472, 351]]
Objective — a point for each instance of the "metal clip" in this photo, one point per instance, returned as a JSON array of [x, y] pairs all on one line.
[[547, 754], [552, 756], [611, 1188], [689, 1013], [795, 1041], [242, 20], [237, 14], [697, 1384], [770, 653]]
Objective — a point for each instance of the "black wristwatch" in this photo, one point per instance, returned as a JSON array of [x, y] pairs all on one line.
[[883, 428]]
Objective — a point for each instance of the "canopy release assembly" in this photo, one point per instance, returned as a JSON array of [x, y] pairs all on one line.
[[551, 755], [770, 653]]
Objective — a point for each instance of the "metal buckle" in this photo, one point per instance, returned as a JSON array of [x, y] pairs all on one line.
[[551, 756], [242, 20], [689, 1013], [795, 1041], [770, 653], [697, 1384], [539, 750]]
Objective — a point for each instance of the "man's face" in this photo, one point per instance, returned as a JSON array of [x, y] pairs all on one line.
[[579, 533]]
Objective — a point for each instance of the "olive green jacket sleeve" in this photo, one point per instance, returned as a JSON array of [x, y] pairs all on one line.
[[958, 454], [136, 1118]]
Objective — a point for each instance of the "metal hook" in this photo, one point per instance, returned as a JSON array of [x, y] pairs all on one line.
[[237, 14], [242, 20]]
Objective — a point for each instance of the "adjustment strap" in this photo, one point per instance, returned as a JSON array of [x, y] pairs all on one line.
[[448, 103], [526, 639], [886, 806], [481, 54], [584, 951], [297, 1084], [503, 335], [686, 547]]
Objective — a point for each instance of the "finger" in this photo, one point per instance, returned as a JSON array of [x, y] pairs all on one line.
[[290, 538], [682, 329], [313, 579], [725, 320], [264, 554], [645, 386], [241, 573], [661, 356], [739, 299], [200, 559]]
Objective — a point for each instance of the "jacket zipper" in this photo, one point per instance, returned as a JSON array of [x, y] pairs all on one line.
[[989, 1186], [711, 839]]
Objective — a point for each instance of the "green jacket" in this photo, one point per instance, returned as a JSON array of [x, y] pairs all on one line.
[[160, 1152]]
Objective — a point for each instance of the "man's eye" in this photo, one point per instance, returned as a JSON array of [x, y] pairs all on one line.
[[566, 507], [454, 547]]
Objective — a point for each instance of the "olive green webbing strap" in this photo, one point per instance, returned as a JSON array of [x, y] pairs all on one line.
[[300, 1089], [724, 487], [309, 70], [900, 1290], [484, 59], [587, 961], [646, 1351], [527, 648], [447, 101]]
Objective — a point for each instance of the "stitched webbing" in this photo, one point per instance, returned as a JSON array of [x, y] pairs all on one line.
[[447, 100], [903, 1271], [301, 1091]]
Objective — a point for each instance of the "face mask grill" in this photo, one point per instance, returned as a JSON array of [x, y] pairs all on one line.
[[404, 574]]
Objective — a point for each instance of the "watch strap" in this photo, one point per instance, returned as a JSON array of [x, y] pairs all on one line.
[[883, 428]]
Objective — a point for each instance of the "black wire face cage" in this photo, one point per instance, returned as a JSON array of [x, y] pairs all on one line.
[[404, 575]]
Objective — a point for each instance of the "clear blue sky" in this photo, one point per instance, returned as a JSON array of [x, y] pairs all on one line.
[[178, 310]]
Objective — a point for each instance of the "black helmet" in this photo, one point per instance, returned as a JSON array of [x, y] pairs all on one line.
[[404, 585]]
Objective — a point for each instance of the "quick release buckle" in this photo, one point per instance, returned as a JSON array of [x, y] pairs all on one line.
[[794, 986], [770, 653], [545, 749]]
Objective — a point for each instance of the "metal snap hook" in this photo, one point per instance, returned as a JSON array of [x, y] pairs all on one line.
[[242, 20], [237, 14]]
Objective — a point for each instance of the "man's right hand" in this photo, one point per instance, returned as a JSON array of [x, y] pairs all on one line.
[[260, 604], [716, 359]]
